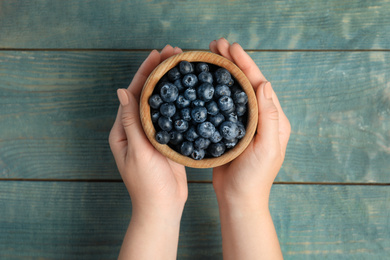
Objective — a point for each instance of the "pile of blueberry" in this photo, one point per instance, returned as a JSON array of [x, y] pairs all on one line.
[[198, 110]]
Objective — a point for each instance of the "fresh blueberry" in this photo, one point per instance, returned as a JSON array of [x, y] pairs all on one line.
[[222, 90], [155, 101], [186, 148], [181, 125], [202, 67], [217, 149], [185, 113], [155, 114], [165, 123], [197, 103], [168, 109], [241, 130], [205, 77], [225, 103], [199, 114], [198, 154], [223, 76], [205, 91], [232, 117], [186, 67], [228, 130], [212, 108], [240, 109], [230, 143], [176, 137], [163, 137], [176, 116], [202, 143], [174, 74], [191, 134], [240, 97], [182, 102], [190, 94], [216, 137], [206, 129], [189, 81], [178, 84], [169, 92], [231, 83], [217, 119]]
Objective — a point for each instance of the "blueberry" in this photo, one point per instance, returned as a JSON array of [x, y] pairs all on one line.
[[225, 103], [191, 134], [228, 130], [165, 123], [174, 74], [186, 148], [232, 117], [212, 108], [190, 94], [202, 67], [206, 129], [240, 97], [199, 114], [240, 109], [168, 109], [223, 76], [176, 116], [189, 81], [197, 103], [241, 130], [216, 137], [202, 143], [222, 90], [205, 77], [185, 113], [162, 137], [217, 119], [205, 91], [230, 143], [155, 114], [182, 102], [169, 92], [186, 67], [198, 154], [155, 101], [178, 84], [217, 149], [231, 83], [176, 137], [181, 125]]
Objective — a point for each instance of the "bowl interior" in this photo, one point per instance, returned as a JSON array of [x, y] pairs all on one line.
[[208, 57]]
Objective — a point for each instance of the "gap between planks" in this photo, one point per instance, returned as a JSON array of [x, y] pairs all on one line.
[[200, 181]]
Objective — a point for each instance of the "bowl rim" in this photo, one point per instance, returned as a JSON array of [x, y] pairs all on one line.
[[211, 58]]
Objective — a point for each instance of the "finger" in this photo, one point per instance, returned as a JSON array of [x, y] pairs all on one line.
[[143, 73], [223, 48], [118, 139], [284, 125], [177, 50], [167, 52], [131, 121], [268, 126], [213, 47], [247, 65]]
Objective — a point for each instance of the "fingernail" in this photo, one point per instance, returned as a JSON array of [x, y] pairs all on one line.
[[122, 96], [268, 91]]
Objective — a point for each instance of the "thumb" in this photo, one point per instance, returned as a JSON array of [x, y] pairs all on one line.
[[130, 119], [268, 126]]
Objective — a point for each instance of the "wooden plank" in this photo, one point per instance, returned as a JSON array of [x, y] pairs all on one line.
[[193, 24], [73, 220], [57, 108]]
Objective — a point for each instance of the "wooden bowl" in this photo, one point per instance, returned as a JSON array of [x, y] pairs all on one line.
[[208, 57]]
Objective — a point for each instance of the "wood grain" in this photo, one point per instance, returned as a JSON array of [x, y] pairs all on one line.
[[267, 25], [56, 110], [69, 220]]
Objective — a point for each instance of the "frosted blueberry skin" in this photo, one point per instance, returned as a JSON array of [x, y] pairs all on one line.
[[198, 110]]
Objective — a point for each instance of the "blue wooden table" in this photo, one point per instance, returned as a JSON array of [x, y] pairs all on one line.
[[61, 196]]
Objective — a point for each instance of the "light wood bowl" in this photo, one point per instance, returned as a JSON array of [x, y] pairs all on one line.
[[208, 57]]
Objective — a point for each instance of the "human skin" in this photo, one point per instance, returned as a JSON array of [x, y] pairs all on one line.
[[243, 186], [157, 186]]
